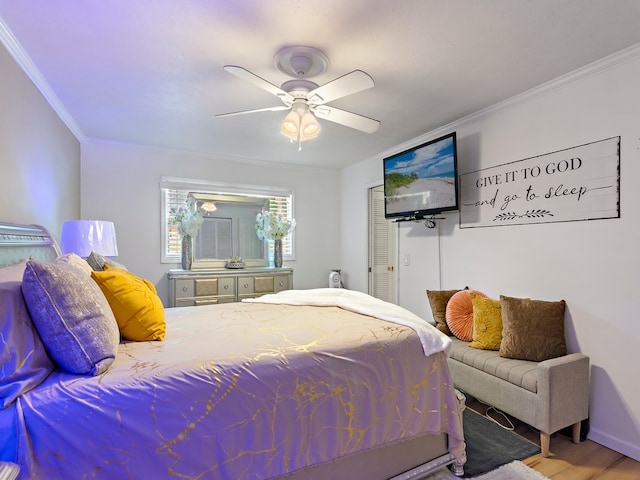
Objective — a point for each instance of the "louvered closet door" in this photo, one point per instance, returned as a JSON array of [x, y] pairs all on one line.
[[382, 249]]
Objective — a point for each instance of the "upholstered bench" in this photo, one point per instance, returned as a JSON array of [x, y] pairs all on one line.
[[548, 395], [515, 359]]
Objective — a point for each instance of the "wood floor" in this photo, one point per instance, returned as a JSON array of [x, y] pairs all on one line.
[[569, 461]]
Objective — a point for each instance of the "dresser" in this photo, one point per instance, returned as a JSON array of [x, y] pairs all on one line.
[[207, 287]]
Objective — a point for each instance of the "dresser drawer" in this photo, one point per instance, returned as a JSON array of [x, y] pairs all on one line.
[[281, 282], [258, 285], [184, 289], [190, 302], [246, 285]]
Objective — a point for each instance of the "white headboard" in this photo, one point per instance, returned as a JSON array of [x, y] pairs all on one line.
[[18, 242]]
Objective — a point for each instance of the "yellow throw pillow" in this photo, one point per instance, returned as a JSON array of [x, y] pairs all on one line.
[[135, 303], [487, 323]]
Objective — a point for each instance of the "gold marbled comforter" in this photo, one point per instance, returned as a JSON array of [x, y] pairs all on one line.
[[238, 391]]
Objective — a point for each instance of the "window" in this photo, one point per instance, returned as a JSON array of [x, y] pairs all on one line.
[[230, 229]]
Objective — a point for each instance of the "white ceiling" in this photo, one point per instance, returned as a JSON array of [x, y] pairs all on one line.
[[150, 71]]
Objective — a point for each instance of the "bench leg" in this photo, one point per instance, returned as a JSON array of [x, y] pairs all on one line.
[[575, 431], [545, 439]]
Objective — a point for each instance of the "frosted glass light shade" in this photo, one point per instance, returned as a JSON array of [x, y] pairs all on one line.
[[300, 123], [85, 236], [309, 127], [290, 125]]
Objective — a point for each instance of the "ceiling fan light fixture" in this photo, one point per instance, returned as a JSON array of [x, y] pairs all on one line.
[[290, 126], [309, 127], [306, 100]]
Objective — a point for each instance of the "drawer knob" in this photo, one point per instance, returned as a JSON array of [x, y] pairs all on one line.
[[226, 287], [184, 289], [246, 285]]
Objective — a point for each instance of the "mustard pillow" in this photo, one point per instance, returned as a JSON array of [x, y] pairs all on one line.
[[487, 323], [135, 303]]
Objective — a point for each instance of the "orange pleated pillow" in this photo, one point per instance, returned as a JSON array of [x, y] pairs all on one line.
[[459, 314]]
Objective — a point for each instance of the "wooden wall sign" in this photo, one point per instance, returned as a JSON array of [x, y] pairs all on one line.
[[579, 183]]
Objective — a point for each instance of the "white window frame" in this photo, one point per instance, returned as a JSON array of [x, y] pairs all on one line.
[[190, 185]]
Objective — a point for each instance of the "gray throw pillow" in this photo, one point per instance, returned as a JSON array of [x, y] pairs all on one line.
[[72, 316], [97, 262]]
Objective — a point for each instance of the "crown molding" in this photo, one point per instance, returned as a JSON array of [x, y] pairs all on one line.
[[606, 63], [24, 61], [623, 56]]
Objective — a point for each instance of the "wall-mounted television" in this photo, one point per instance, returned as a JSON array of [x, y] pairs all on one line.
[[422, 181]]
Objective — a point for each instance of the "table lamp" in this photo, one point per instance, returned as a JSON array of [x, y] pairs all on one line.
[[85, 236]]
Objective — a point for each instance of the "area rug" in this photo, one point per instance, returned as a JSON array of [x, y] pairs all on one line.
[[515, 470], [490, 446]]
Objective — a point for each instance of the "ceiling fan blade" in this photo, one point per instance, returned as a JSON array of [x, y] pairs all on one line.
[[267, 109], [348, 119], [353, 82], [260, 82]]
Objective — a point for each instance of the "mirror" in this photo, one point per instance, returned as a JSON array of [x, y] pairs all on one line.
[[229, 230]]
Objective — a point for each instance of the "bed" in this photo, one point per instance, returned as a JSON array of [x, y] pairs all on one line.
[[307, 385]]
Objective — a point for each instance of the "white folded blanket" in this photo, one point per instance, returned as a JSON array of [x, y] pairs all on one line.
[[431, 338]]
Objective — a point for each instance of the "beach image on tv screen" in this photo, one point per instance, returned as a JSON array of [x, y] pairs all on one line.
[[421, 179]]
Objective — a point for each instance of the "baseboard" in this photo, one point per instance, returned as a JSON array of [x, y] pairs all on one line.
[[625, 448]]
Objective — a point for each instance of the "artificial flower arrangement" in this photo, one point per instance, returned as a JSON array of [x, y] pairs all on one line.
[[187, 219], [272, 226]]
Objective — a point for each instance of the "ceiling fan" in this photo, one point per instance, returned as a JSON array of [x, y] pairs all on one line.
[[304, 99]]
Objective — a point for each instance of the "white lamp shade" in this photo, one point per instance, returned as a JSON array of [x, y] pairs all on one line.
[[85, 236]]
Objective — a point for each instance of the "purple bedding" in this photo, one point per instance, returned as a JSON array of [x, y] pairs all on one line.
[[237, 391]]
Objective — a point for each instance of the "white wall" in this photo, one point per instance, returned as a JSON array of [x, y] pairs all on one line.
[[121, 183], [593, 265], [39, 156]]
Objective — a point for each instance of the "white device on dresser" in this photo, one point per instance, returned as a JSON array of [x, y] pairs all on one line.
[[334, 279]]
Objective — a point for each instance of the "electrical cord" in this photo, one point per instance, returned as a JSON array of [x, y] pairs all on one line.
[[509, 427]]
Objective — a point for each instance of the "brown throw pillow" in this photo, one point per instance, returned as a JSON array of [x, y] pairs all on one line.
[[438, 301], [532, 329]]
